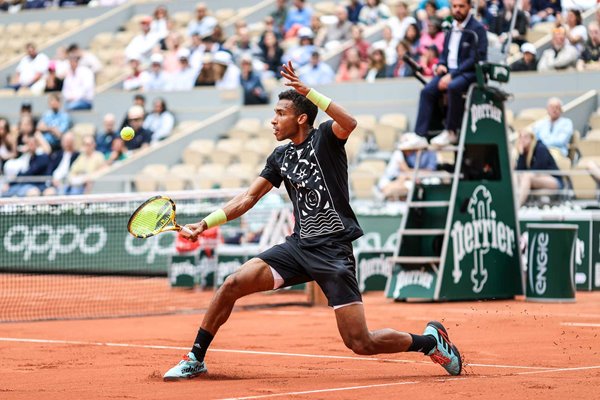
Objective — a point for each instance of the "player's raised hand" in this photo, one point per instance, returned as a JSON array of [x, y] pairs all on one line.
[[289, 73]]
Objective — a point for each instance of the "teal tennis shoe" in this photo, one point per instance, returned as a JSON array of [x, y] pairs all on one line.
[[187, 368], [444, 353]]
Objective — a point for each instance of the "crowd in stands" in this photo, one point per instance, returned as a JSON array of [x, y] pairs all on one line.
[[48, 155], [17, 5]]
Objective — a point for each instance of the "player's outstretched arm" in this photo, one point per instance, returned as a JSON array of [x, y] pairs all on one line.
[[343, 122], [235, 208]]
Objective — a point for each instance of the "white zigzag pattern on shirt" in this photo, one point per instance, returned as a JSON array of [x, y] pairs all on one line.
[[327, 221]]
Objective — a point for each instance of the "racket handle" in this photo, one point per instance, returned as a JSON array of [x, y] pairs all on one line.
[[186, 231]]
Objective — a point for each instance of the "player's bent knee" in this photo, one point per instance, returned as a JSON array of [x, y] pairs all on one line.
[[360, 346]]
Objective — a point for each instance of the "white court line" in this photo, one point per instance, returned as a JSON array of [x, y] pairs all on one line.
[[266, 353], [582, 324], [559, 370]]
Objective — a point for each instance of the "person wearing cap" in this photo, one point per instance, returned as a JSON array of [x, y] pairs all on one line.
[[143, 43], [154, 79], [298, 15], [135, 119], [53, 82], [301, 53], [202, 24], [184, 78], [227, 74], [316, 72], [561, 55], [529, 60]]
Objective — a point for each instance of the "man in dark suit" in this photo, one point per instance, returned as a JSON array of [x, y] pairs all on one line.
[[455, 72], [59, 165]]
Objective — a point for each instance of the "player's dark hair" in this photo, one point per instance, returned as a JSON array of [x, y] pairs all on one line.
[[301, 104]]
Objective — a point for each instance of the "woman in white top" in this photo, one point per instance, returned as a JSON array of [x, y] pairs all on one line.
[[576, 31], [8, 149]]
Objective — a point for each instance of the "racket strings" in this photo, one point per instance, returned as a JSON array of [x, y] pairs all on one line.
[[152, 217]]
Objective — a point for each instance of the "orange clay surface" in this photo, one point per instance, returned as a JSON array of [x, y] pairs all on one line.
[[513, 350]]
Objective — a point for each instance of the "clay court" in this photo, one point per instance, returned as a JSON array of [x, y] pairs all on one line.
[[512, 350]]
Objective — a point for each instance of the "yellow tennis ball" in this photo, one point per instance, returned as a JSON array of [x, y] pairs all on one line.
[[127, 133]]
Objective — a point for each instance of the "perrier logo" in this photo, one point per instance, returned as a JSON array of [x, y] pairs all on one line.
[[484, 111], [478, 237]]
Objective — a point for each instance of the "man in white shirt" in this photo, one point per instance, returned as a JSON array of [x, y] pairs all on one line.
[[154, 79], [78, 87], [203, 24], [30, 69], [464, 46], [185, 78], [142, 45], [400, 22]]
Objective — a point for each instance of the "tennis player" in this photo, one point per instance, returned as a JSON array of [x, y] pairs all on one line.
[[314, 170]]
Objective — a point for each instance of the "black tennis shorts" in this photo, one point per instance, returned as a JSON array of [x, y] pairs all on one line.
[[331, 265]]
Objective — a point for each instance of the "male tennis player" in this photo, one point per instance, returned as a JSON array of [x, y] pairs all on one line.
[[314, 169]]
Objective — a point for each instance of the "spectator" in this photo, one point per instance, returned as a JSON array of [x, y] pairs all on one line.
[[388, 45], [454, 74], [241, 44], [183, 79], [529, 60], [138, 100], [203, 24], [354, 7], [298, 16], [160, 24], [339, 32], [134, 80], [142, 45], [54, 122], [575, 30], [300, 54], [78, 87], [59, 166], [81, 173], [171, 64], [118, 152], [429, 9], [206, 76], [429, 60], [400, 69], [160, 121], [413, 39], [280, 15], [316, 72], [8, 147], [500, 24], [30, 70], [433, 36], [254, 92], [395, 182], [86, 58], [61, 62], [544, 10], [400, 22], [154, 79], [591, 52], [373, 12], [227, 74], [197, 50], [555, 131], [53, 82], [36, 163], [269, 27], [271, 54], [533, 155], [351, 68], [108, 134], [561, 55], [377, 66], [319, 30], [135, 118], [358, 41]]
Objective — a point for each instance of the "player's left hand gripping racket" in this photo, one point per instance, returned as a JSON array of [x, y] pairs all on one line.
[[155, 215]]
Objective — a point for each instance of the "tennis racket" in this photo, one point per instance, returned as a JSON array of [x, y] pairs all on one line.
[[155, 215]]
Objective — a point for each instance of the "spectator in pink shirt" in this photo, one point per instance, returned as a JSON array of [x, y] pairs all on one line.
[[433, 36]]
